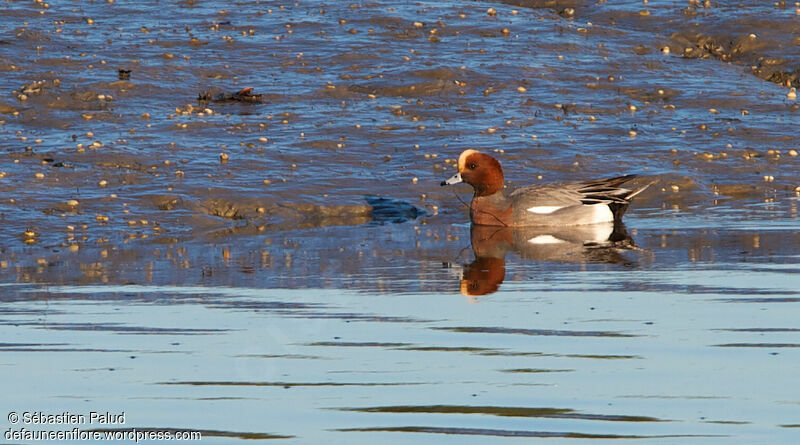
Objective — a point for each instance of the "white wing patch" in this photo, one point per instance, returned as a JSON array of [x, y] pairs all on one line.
[[544, 210], [545, 239]]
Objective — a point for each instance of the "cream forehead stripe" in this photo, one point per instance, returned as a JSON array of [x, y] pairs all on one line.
[[462, 160]]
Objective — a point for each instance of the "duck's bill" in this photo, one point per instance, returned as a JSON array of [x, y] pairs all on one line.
[[455, 179]]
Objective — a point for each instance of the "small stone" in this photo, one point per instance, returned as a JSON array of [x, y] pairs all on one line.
[[39, 175], [491, 12], [72, 203]]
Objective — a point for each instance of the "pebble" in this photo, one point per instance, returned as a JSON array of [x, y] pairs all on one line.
[[792, 94], [223, 157], [792, 153], [72, 203], [491, 12], [39, 175], [102, 183]]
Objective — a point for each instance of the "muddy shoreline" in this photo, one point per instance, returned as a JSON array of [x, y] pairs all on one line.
[[375, 100]]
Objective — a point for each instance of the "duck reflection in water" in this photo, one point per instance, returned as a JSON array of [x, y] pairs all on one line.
[[595, 243]]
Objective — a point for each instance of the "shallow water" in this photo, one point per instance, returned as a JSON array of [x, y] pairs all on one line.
[[189, 293]]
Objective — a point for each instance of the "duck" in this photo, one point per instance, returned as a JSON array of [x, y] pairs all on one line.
[[558, 204]]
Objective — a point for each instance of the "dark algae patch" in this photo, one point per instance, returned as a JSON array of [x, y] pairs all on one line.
[[512, 433], [556, 413]]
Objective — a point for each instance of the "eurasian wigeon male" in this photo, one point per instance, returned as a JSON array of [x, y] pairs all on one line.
[[560, 204]]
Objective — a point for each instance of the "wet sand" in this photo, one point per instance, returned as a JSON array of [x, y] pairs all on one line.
[[128, 156]]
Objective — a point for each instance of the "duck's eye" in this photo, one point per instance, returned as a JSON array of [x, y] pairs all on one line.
[[473, 166]]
